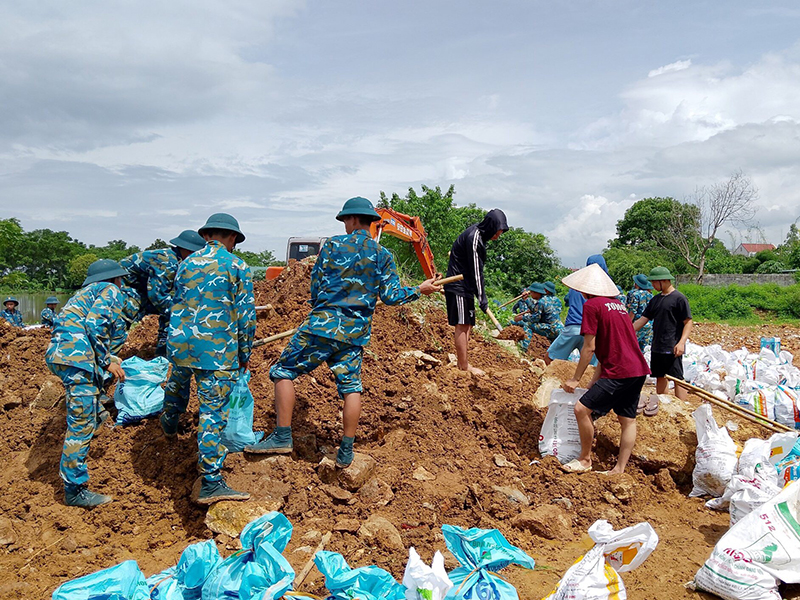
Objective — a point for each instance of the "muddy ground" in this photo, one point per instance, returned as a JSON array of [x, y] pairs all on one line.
[[449, 448]]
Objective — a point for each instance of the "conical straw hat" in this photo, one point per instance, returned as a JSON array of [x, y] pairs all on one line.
[[591, 280]]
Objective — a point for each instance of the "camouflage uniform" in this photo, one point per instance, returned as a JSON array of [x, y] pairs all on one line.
[[48, 317], [79, 352], [14, 317], [212, 324], [352, 271], [636, 302], [545, 320], [149, 287]]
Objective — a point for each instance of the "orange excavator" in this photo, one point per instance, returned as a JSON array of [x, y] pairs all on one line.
[[409, 229]]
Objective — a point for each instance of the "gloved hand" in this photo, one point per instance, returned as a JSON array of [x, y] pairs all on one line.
[[484, 304]]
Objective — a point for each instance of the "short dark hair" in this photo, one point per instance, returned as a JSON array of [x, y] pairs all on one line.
[[212, 232], [364, 220]]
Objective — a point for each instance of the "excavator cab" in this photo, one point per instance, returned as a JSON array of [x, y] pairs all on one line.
[[298, 248]]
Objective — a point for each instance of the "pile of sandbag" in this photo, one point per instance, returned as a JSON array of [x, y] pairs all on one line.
[[767, 383], [259, 571]]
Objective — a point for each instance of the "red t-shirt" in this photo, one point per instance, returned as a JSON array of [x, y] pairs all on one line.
[[616, 346]]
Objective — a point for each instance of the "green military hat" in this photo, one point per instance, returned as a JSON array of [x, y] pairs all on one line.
[[225, 222], [188, 240], [550, 287], [103, 270], [51, 300], [537, 288], [358, 206], [660, 274], [642, 281], [11, 299]]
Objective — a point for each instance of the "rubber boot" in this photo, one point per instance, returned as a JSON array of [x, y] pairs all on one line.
[[214, 491], [344, 456], [80, 495], [277, 442]]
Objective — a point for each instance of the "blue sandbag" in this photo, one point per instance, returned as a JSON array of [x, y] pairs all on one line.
[[140, 396], [185, 581], [482, 552], [364, 583], [261, 539], [122, 582], [238, 432]]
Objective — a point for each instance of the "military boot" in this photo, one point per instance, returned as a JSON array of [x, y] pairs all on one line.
[[80, 495], [277, 442], [169, 424], [214, 491]]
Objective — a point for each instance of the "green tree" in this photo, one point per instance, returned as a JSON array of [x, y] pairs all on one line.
[[78, 267], [44, 256], [624, 262], [265, 258], [157, 244], [11, 237], [646, 223], [517, 259], [115, 250]]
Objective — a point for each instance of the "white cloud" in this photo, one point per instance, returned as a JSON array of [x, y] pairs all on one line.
[[678, 65]]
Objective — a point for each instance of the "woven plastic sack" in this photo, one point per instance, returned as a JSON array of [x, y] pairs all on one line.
[[715, 456], [238, 432], [261, 539], [122, 582], [559, 435], [140, 395], [364, 583], [482, 553]]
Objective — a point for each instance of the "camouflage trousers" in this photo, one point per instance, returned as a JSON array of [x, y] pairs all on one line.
[[548, 330], [82, 410], [645, 336], [213, 390], [305, 352]]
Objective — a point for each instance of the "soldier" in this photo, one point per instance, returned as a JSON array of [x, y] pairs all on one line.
[[544, 318], [80, 355], [10, 313], [148, 288], [49, 312], [351, 272], [551, 296], [636, 302], [211, 329]]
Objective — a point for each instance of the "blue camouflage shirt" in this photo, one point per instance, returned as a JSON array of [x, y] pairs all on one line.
[[213, 316], [637, 301], [85, 327], [48, 317], [152, 276], [14, 317], [351, 273], [546, 311]]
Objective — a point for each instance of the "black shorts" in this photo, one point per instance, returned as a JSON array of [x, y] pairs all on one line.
[[460, 309], [666, 364], [619, 395]]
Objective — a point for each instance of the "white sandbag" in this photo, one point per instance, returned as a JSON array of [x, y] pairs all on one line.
[[760, 401], [785, 406], [757, 553], [596, 575], [423, 582], [715, 456], [559, 436]]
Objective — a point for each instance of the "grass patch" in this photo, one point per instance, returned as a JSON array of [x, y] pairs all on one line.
[[744, 305]]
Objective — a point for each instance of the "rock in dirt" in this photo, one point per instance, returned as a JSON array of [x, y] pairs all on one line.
[[548, 521], [358, 473], [421, 357], [664, 481], [326, 470], [422, 474], [11, 402], [622, 486], [512, 494], [377, 492], [347, 525], [229, 517], [297, 504], [502, 461], [49, 394], [336, 493], [7, 534], [380, 530]]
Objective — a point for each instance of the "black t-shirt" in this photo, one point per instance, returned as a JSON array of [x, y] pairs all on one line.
[[667, 314]]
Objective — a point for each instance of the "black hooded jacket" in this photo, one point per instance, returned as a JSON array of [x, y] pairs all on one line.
[[469, 253]]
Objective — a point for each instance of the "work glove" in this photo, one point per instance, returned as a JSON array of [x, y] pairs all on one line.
[[484, 304]]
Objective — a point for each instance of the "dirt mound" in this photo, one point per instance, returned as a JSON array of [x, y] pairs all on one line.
[[538, 346], [513, 333], [447, 447]]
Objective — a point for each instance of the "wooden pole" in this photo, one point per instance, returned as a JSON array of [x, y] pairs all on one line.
[[510, 301], [494, 319], [307, 568], [731, 407]]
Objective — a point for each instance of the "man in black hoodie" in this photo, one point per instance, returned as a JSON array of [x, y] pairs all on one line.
[[466, 258]]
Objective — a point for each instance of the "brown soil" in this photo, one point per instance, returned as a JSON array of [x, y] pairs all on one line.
[[513, 333], [416, 414], [538, 346]]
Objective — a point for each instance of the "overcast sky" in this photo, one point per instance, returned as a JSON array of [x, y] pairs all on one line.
[[135, 120]]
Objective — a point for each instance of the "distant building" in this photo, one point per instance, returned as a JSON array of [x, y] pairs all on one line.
[[752, 249]]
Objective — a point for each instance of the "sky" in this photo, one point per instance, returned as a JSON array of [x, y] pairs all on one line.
[[136, 120]]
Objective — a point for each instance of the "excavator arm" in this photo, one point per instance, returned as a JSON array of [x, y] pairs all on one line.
[[409, 229]]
